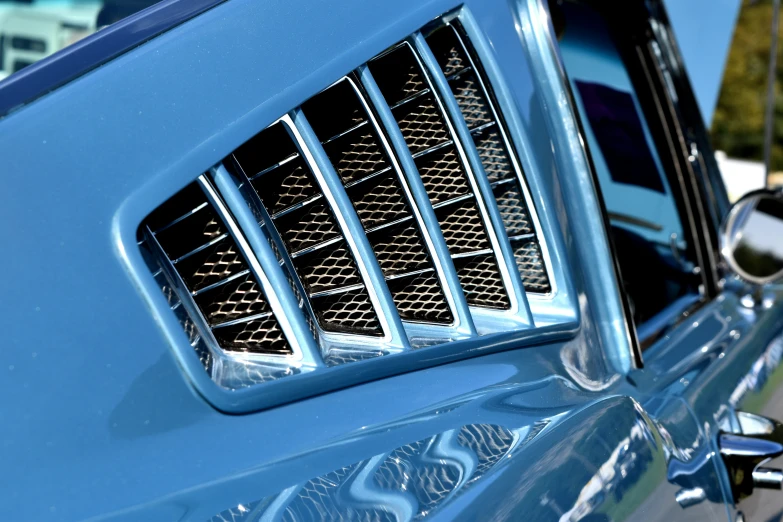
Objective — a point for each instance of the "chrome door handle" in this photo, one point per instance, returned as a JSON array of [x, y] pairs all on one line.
[[760, 440]]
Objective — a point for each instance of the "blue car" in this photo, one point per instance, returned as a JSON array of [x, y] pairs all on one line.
[[295, 260]]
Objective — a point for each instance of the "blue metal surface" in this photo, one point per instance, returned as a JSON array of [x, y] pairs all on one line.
[[98, 48], [99, 421]]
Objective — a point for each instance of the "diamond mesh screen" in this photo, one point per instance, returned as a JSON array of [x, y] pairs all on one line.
[[426, 133], [377, 195], [474, 102], [213, 272], [310, 231]]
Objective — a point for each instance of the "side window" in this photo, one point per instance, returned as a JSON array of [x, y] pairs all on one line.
[[653, 243]]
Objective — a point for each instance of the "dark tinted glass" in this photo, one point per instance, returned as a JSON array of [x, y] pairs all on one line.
[[653, 247]]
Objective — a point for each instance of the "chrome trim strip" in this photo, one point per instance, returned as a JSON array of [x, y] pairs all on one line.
[[394, 337], [562, 305], [433, 149], [296, 206], [289, 159], [487, 321], [419, 201], [175, 221], [345, 132], [335, 291], [241, 320], [268, 275], [412, 97], [263, 221], [220, 283], [199, 248], [181, 289], [531, 207]]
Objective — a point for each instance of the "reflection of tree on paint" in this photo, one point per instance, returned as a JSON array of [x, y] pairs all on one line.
[[760, 264]]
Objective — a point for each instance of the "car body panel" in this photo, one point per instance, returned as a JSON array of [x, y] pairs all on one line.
[[100, 422]]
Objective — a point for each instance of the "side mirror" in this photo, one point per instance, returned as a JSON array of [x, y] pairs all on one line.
[[752, 237]]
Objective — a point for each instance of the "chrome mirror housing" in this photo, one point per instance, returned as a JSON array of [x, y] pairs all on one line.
[[751, 238]]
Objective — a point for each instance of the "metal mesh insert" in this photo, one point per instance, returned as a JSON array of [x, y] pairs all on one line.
[[399, 249], [240, 297], [421, 123], [285, 186], [462, 227], [190, 233], [442, 175], [307, 226], [481, 282], [493, 155], [327, 268], [349, 312], [471, 101], [214, 273], [531, 267], [419, 298], [475, 101], [356, 154], [398, 74], [513, 211], [379, 200], [262, 336], [489, 442], [311, 235], [211, 265]]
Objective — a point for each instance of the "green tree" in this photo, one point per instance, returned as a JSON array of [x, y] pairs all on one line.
[[738, 123]]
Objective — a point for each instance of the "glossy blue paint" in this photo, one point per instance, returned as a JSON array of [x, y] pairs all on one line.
[[58, 69], [100, 422]]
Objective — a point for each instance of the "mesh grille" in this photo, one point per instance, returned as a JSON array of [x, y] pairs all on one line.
[[420, 298], [399, 249], [356, 154], [260, 336], [531, 267], [421, 124], [310, 232], [327, 269], [471, 103], [442, 175], [307, 226], [488, 441], [462, 227], [229, 298], [441, 170], [237, 298], [287, 185], [474, 103], [493, 155], [380, 200], [481, 282], [512, 209], [398, 74], [349, 312], [211, 265]]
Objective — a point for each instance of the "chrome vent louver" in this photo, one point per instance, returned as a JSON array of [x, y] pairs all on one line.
[[385, 215], [466, 80], [414, 105], [373, 183], [284, 183]]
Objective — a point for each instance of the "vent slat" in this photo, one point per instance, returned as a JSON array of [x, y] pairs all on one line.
[[381, 204], [442, 171], [475, 103], [312, 238]]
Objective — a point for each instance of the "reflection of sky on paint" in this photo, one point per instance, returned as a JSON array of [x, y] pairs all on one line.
[[590, 55], [764, 233]]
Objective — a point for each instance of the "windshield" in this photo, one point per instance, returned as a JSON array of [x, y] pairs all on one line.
[[31, 30]]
